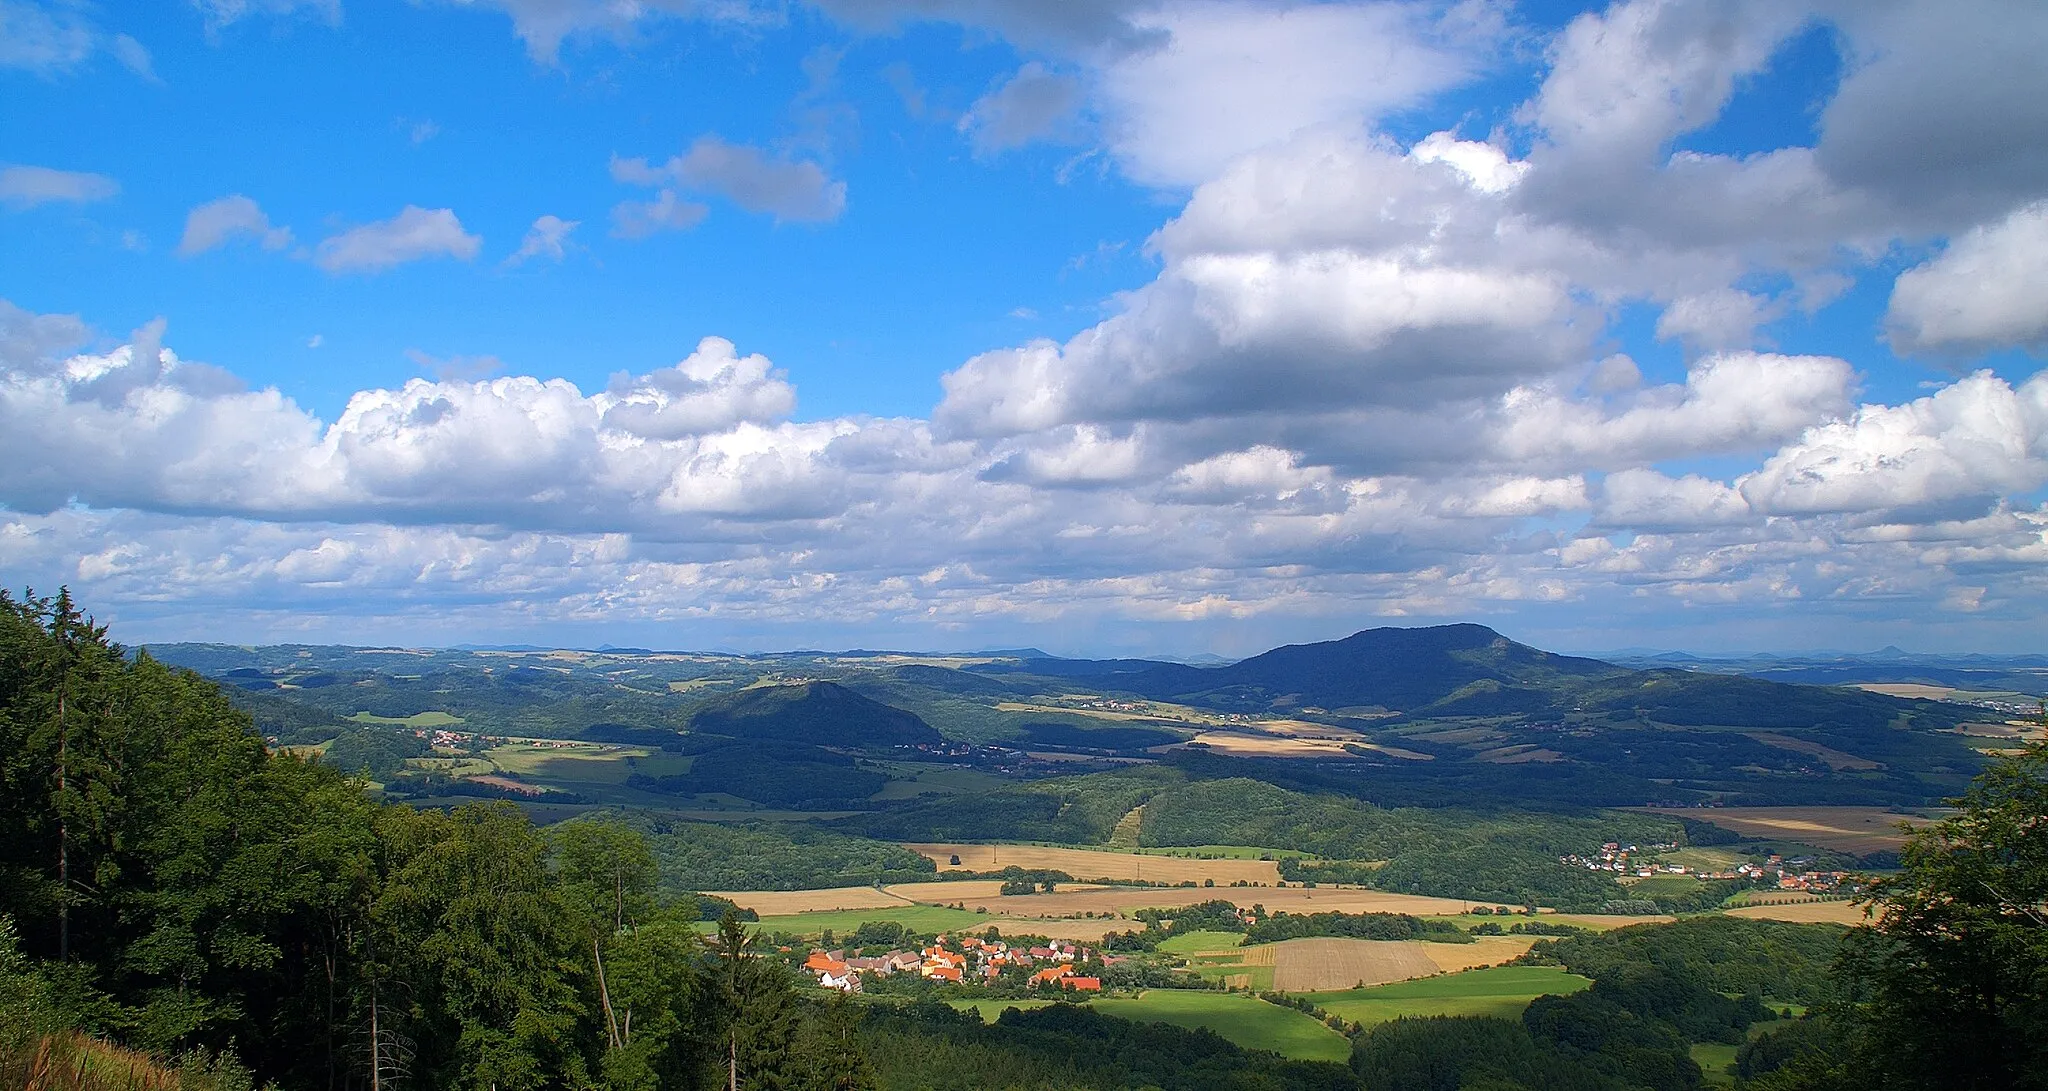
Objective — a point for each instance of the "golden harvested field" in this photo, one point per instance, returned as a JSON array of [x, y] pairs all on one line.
[[1482, 951], [1805, 913], [1857, 830], [1907, 689], [1294, 746], [1602, 922], [1091, 864], [1304, 729], [779, 903], [1079, 930], [1268, 746], [1323, 965], [1072, 901], [2010, 729]]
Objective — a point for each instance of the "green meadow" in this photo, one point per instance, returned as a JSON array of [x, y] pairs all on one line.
[[1245, 1020], [1665, 886], [1501, 991], [916, 918], [417, 719], [990, 1010], [1716, 1060], [1192, 942]]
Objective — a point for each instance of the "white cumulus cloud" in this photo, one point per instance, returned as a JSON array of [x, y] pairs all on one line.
[[1969, 444], [547, 238], [1988, 290], [415, 234], [26, 187], [218, 222], [789, 189]]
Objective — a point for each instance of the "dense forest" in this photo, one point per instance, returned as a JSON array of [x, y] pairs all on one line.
[[178, 897], [173, 886], [1506, 855]]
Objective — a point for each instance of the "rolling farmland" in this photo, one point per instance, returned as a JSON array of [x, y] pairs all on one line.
[[1326, 964], [1065, 913], [1247, 1021], [1814, 912], [1243, 1020], [1095, 864], [1318, 965], [1858, 830], [1500, 992]]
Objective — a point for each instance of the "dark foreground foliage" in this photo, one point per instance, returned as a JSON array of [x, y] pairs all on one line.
[[932, 1046], [180, 890]]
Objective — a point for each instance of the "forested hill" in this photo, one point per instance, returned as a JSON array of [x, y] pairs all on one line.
[[1390, 669], [811, 712], [1465, 670], [1402, 715]]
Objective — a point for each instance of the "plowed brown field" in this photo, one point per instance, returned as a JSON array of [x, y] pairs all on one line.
[[1324, 965]]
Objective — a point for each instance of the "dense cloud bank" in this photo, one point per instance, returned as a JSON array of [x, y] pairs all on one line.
[[1371, 377]]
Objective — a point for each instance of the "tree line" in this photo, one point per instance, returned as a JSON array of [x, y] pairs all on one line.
[[172, 885]]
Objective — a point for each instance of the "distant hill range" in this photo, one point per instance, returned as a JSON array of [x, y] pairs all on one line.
[[819, 713], [2025, 674], [1449, 671]]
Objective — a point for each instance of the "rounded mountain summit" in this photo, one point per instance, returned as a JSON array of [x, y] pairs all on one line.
[[819, 713]]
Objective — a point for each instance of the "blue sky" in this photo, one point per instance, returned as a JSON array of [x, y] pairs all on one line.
[[1125, 327]]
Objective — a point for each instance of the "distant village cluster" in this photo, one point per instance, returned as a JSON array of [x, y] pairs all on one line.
[[1641, 861], [962, 960]]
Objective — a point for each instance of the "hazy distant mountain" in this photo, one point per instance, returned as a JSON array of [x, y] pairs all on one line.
[[821, 713], [2022, 673], [1451, 671], [1400, 670]]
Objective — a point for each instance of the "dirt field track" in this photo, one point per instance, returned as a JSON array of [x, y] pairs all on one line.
[[1846, 829], [1089, 864], [1805, 913]]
